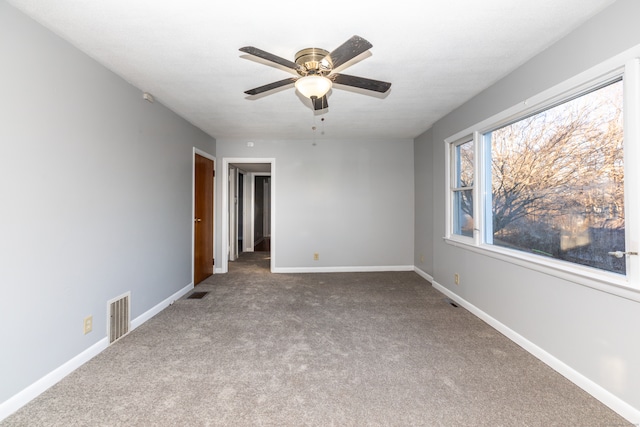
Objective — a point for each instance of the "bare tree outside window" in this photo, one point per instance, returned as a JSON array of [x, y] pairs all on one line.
[[557, 181], [463, 169]]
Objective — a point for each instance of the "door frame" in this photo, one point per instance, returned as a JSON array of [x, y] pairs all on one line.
[[253, 206], [193, 208], [246, 211], [224, 232], [250, 213], [232, 239]]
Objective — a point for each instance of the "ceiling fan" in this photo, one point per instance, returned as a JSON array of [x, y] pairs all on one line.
[[314, 68]]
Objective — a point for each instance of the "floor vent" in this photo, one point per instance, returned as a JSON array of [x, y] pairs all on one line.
[[451, 302], [119, 310], [197, 295]]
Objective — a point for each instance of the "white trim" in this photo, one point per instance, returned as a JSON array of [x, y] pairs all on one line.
[[346, 269], [583, 81], [450, 157], [481, 197], [232, 238], [423, 274], [252, 211], [17, 401], [224, 232], [34, 390], [204, 154], [631, 110], [600, 393], [160, 306], [247, 201], [580, 275], [625, 65]]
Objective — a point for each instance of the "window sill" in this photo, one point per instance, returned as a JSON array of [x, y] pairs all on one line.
[[610, 283]]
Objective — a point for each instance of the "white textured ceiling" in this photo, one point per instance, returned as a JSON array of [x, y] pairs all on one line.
[[436, 54]]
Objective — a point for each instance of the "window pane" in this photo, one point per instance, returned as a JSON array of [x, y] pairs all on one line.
[[557, 181], [463, 212], [464, 165]]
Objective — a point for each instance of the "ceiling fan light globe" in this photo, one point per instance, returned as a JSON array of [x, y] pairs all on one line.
[[313, 86]]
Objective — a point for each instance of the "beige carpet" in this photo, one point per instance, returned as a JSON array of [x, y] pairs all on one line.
[[352, 349]]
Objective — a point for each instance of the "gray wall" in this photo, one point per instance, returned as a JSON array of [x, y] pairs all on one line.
[[95, 186], [593, 332], [424, 203], [350, 201]]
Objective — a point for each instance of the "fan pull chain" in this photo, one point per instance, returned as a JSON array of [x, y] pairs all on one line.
[[313, 128]]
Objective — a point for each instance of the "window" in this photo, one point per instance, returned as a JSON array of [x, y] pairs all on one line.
[[463, 170], [556, 182], [543, 184]]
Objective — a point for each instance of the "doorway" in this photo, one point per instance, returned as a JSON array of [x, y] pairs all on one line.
[[240, 209], [261, 219], [241, 213]]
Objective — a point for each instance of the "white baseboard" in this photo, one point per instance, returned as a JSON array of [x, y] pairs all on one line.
[[17, 401], [161, 306], [352, 269], [606, 397], [423, 274]]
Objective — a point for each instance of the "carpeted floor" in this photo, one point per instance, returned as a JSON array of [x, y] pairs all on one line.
[[347, 349]]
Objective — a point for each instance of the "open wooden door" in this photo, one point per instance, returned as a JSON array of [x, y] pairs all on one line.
[[203, 220]]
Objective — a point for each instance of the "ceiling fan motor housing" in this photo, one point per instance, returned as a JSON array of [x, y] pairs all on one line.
[[313, 61], [315, 67]]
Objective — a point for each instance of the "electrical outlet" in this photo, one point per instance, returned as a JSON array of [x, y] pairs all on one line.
[[88, 324], [456, 278], [421, 258], [316, 256]]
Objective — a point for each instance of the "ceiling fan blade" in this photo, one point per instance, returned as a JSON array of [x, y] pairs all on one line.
[[269, 57], [348, 50], [271, 86], [320, 103], [360, 82]]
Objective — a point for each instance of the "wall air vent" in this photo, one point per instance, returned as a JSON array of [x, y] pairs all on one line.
[[118, 314]]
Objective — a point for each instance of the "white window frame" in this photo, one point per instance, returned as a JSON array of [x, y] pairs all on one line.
[[451, 189], [627, 66]]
